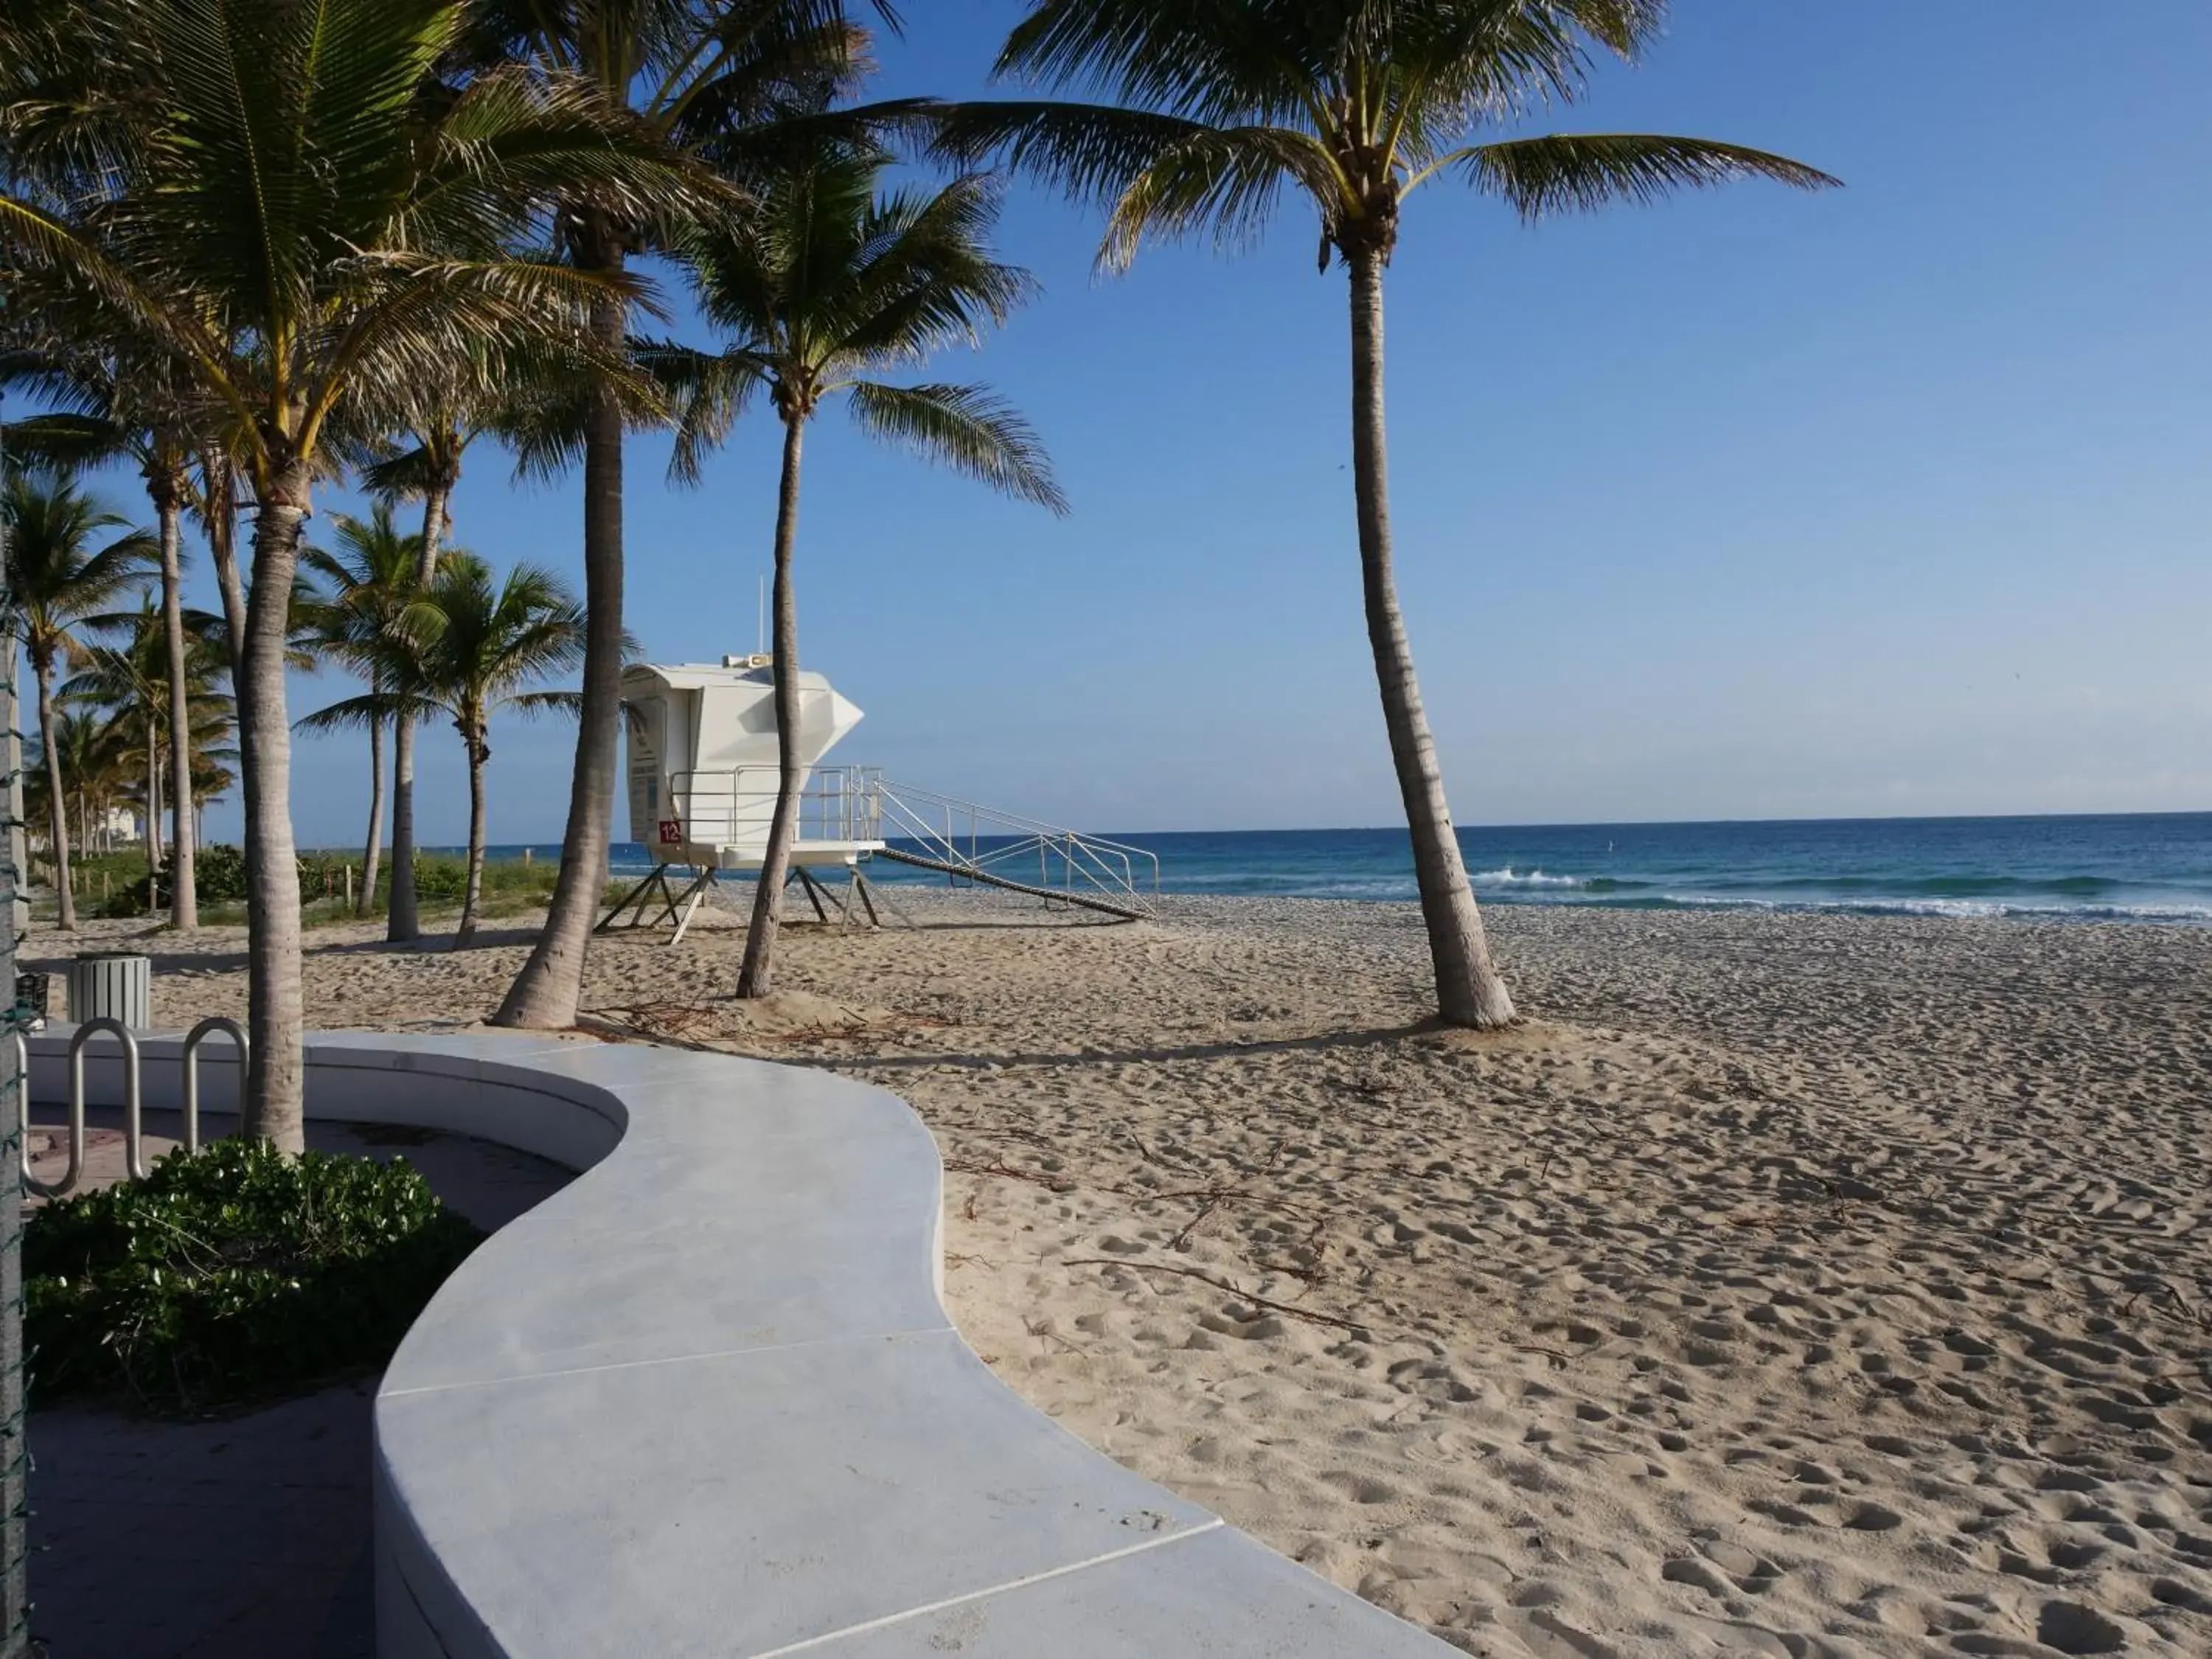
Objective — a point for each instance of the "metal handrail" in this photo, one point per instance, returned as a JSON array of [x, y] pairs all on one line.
[[134, 1139], [730, 806], [1122, 871], [200, 1034]]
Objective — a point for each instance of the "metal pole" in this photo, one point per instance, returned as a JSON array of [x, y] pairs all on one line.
[[14, 1461]]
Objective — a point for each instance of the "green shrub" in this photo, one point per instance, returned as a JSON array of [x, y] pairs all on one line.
[[442, 878], [233, 1275], [218, 877]]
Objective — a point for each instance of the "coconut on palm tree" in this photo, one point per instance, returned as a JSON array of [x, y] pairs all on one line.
[[471, 647], [307, 216], [1212, 113], [821, 287], [718, 79], [57, 582]]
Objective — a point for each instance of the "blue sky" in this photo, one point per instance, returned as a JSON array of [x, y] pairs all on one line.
[[1893, 500]]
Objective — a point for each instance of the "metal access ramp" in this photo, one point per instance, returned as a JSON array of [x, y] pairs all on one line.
[[968, 841], [851, 815]]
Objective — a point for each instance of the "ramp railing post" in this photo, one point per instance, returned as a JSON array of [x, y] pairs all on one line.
[[200, 1034]]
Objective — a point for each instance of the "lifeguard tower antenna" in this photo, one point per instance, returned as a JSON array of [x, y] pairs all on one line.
[[703, 780]]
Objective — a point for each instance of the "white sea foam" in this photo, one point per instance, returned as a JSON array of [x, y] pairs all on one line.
[[1510, 878], [1958, 909]]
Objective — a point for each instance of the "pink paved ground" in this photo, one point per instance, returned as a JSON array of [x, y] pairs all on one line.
[[247, 1537]]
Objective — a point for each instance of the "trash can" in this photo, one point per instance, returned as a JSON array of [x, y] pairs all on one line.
[[114, 985], [31, 991]]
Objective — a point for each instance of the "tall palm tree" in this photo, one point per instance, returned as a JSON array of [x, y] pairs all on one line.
[[532, 400], [56, 583], [820, 286], [431, 468], [718, 79], [129, 681], [134, 681], [310, 216], [97, 762], [371, 588], [119, 403], [1219, 108], [486, 646]]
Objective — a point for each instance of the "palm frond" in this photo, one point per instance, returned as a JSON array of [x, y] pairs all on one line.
[[364, 714], [1227, 181], [966, 428], [1088, 151], [533, 703], [708, 391], [1579, 172]]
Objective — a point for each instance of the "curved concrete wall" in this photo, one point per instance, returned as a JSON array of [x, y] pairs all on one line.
[[706, 1400]]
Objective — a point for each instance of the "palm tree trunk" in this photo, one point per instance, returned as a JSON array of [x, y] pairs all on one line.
[[60, 801], [756, 978], [546, 992], [404, 921], [479, 752], [274, 1015], [1469, 989], [12, 809], [375, 845], [222, 546], [153, 835], [183, 903]]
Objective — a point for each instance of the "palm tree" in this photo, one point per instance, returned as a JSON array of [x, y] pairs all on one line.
[[97, 762], [718, 79], [134, 682], [56, 583], [482, 647], [533, 401], [130, 683], [310, 219], [115, 404], [371, 587], [820, 286], [431, 469], [1219, 107]]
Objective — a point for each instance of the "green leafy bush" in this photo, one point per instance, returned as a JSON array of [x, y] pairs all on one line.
[[218, 877], [219, 874], [233, 1275]]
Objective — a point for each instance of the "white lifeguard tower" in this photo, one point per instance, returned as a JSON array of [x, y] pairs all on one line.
[[703, 771], [702, 777]]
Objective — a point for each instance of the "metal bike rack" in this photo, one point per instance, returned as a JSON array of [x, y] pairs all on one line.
[[18, 1055], [199, 1033], [20, 1052], [134, 1139]]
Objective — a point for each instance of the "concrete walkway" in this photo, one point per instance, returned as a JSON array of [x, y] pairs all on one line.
[[243, 1538]]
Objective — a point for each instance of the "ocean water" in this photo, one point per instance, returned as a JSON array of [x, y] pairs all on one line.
[[2153, 867]]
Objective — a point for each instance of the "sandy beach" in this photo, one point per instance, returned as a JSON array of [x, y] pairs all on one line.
[[1786, 1284]]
